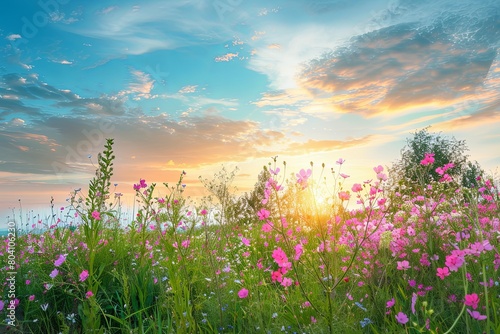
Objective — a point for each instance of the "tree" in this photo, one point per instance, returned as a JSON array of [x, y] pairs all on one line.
[[407, 170]]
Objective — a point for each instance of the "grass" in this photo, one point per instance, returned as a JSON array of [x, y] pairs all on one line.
[[369, 259]]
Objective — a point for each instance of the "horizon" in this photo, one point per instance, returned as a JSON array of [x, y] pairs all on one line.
[[195, 85]]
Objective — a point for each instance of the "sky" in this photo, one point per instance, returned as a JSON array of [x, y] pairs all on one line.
[[195, 85]]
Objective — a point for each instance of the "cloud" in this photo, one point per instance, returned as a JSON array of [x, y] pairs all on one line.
[[155, 25], [314, 146], [13, 37], [143, 85], [226, 57], [188, 89]]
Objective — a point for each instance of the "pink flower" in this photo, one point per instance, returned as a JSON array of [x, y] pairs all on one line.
[[243, 293], [428, 159], [472, 300], [267, 227], [287, 281], [454, 262], [279, 256], [403, 265], [340, 161], [357, 187], [96, 215], [185, 243], [476, 315], [379, 169], [443, 272], [54, 273], [31, 298], [302, 177], [276, 276], [89, 294], [2, 304], [344, 195], [299, 249], [203, 212], [60, 260], [84, 275], [344, 176], [263, 214], [390, 303], [245, 241], [402, 318]]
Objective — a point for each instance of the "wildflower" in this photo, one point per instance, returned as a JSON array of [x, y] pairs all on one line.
[[267, 227], [287, 281], [89, 294], [302, 177], [344, 176], [344, 195], [203, 212], [298, 251], [313, 320], [31, 298], [54, 273], [476, 315], [243, 293], [185, 243], [2, 304], [274, 171], [340, 161], [403, 265], [413, 302], [443, 272], [84, 275], [245, 241], [472, 300], [454, 262], [402, 318], [390, 303], [357, 187], [96, 215], [428, 159], [60, 260], [263, 214], [28, 282]]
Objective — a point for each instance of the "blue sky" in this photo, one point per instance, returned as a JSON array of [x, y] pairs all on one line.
[[194, 85]]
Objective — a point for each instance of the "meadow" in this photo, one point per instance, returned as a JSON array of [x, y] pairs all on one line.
[[305, 257]]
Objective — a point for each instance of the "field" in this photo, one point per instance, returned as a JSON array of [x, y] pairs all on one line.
[[308, 257]]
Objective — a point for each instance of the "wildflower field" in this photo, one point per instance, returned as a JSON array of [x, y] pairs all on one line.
[[366, 258]]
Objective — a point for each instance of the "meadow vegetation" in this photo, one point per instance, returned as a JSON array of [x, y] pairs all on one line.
[[413, 250]]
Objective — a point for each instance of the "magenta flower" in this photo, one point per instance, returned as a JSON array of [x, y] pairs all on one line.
[[31, 298], [267, 227], [454, 262], [89, 294], [402, 318], [2, 304], [96, 215], [390, 303], [54, 273], [60, 260], [245, 241], [476, 315], [443, 272], [263, 214], [243, 293], [84, 275], [340, 161], [299, 249], [413, 302], [472, 300], [428, 159]]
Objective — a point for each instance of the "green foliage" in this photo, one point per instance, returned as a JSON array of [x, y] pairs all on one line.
[[409, 172]]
